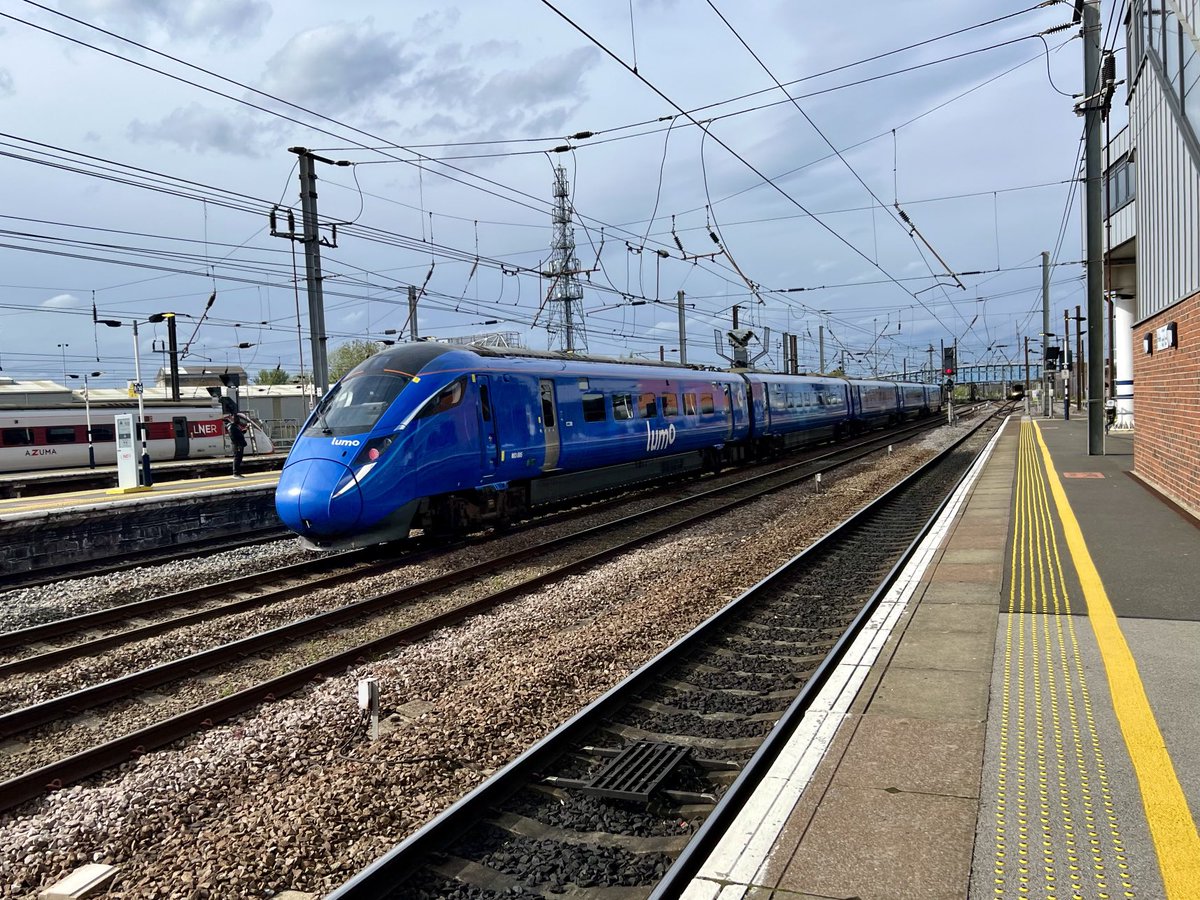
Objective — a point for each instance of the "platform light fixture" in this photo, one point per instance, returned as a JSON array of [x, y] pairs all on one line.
[[138, 388], [87, 413]]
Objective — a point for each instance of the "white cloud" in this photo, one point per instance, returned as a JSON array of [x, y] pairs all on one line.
[[231, 21], [63, 301], [334, 66], [201, 130]]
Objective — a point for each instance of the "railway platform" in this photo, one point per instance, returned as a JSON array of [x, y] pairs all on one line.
[[179, 485], [16, 485], [44, 532], [1019, 719]]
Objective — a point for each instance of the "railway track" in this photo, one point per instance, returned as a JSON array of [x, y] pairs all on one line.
[[627, 798], [635, 530], [280, 584]]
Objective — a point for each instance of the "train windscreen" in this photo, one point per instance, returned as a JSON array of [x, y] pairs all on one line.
[[355, 404]]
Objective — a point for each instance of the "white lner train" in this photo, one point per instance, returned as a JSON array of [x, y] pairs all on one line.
[[39, 439]]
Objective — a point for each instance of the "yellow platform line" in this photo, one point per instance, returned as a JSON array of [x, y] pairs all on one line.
[[1172, 826]]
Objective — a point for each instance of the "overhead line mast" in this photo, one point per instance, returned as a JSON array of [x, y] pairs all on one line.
[[563, 268]]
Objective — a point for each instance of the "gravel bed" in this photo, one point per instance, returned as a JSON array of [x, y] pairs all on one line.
[[707, 702], [558, 864], [578, 812], [294, 797], [26, 607]]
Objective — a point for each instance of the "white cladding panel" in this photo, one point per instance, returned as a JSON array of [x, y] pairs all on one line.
[[1168, 199]]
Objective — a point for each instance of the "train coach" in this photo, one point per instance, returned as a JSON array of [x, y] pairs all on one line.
[[441, 437], [39, 439]]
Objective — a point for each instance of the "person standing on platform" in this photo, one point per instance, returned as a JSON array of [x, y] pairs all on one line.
[[237, 439]]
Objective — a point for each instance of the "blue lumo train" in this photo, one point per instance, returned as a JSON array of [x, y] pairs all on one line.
[[437, 436]]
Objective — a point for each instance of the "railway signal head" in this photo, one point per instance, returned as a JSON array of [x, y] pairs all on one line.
[[949, 361]]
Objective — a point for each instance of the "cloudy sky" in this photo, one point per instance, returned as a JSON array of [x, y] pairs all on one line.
[[145, 143]]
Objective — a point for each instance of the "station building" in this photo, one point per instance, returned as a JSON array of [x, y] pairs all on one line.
[[1152, 203]]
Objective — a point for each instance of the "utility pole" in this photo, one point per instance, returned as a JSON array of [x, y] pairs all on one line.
[[795, 357], [682, 329], [172, 349], [1095, 108], [821, 346], [1078, 359], [312, 265], [1027, 367], [412, 313], [1045, 332], [1066, 368]]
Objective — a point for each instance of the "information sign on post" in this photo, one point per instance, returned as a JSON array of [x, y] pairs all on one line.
[[127, 460]]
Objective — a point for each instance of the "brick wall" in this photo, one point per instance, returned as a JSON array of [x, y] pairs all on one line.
[[1166, 406]]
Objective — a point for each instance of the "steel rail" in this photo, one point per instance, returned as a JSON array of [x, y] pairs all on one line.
[[379, 879], [89, 762], [26, 718]]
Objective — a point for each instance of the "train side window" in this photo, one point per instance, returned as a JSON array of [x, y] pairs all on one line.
[[670, 405], [593, 408], [622, 406], [16, 437], [689, 404], [60, 434], [102, 433], [647, 405], [485, 402], [706, 404], [448, 398]]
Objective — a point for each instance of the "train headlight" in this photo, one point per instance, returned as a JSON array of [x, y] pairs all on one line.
[[370, 454]]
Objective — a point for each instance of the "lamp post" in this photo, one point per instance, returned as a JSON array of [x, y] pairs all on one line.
[[87, 412], [63, 348], [147, 480]]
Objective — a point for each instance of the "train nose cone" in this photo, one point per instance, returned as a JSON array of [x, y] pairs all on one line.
[[318, 497]]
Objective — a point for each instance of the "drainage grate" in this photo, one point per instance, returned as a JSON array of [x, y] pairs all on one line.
[[637, 772]]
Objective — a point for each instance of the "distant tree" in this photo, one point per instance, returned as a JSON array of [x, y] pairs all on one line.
[[277, 375], [839, 372], [349, 355]]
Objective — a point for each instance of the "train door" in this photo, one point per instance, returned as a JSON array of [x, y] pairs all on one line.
[[179, 426], [728, 413], [550, 424], [490, 445]]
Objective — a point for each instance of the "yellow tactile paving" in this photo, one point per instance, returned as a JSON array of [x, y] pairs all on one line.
[[1172, 825], [1058, 832], [1057, 835]]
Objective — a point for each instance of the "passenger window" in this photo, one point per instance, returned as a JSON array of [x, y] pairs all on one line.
[[448, 398], [670, 405], [689, 404], [60, 434], [622, 406], [706, 404], [647, 406], [593, 408], [103, 433], [17, 437], [547, 412]]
